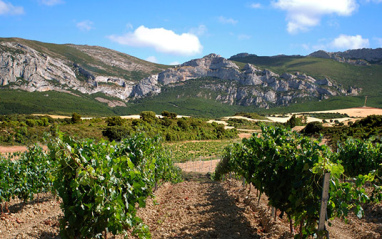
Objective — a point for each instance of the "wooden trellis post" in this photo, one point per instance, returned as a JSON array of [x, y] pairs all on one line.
[[324, 202]]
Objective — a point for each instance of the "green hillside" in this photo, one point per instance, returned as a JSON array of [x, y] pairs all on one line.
[[77, 54], [186, 98], [369, 78], [189, 98], [51, 102]]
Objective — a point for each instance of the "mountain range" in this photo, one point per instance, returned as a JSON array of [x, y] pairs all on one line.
[[38, 77]]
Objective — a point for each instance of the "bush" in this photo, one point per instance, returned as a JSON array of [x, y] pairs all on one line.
[[116, 133], [148, 116], [312, 128], [170, 115], [114, 121], [295, 121], [76, 118]]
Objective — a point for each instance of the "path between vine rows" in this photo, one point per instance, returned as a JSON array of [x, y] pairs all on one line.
[[195, 208]]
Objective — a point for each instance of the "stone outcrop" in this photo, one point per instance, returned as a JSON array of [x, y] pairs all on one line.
[[22, 67], [249, 86], [363, 56]]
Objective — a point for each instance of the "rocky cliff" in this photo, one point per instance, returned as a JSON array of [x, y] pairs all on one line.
[[363, 56], [23, 67], [246, 86]]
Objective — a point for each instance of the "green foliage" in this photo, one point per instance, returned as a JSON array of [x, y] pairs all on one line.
[[102, 184], [196, 150], [27, 129], [369, 127], [326, 115], [295, 121], [344, 74], [251, 115], [114, 121], [116, 130], [116, 133], [359, 156], [148, 116], [176, 129], [289, 169], [22, 102], [312, 128], [25, 174], [76, 118], [371, 121], [170, 115], [244, 123]]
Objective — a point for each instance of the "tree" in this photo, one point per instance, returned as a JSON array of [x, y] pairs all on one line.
[[312, 128], [114, 121], [148, 116], [170, 115], [76, 118]]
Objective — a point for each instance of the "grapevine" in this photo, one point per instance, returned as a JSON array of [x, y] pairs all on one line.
[[289, 169], [102, 183], [22, 175]]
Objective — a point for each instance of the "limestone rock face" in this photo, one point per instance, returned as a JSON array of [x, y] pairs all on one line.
[[146, 86], [357, 56], [28, 69], [22, 67]]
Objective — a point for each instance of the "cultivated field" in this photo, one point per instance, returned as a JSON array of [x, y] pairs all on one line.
[[195, 208]]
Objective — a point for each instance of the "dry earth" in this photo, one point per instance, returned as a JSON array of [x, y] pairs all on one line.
[[359, 112]]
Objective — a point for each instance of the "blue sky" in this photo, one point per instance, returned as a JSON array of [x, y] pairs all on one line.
[[172, 32]]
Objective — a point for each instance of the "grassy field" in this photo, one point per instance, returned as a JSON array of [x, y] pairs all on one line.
[[197, 150]]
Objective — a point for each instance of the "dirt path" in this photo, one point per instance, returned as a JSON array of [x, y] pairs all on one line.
[[198, 210]]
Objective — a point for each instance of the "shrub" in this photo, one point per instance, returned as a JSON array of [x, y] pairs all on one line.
[[312, 128], [76, 118], [148, 116]]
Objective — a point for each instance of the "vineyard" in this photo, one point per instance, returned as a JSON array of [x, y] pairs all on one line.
[[107, 188], [289, 169], [100, 184]]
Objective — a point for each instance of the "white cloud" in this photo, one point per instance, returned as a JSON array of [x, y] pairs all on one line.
[[85, 25], [51, 2], [152, 59], [9, 9], [303, 14], [174, 63], [199, 31], [162, 40], [225, 20], [345, 42], [255, 5]]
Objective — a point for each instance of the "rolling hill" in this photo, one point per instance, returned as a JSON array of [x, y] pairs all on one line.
[[37, 77]]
